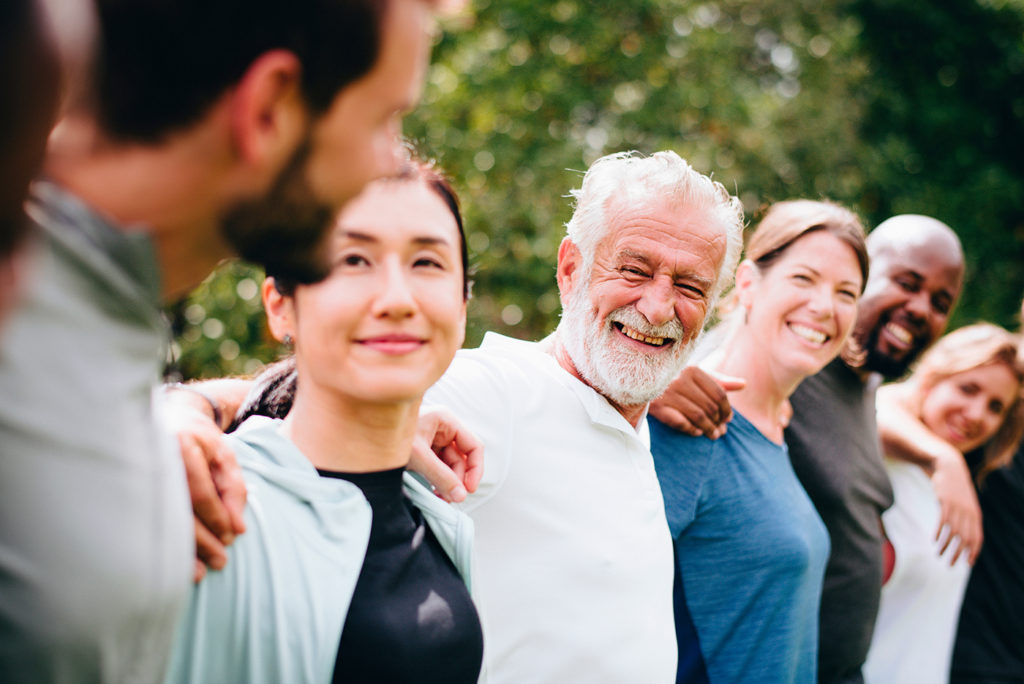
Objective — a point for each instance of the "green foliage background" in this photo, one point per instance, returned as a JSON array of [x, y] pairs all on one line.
[[887, 106]]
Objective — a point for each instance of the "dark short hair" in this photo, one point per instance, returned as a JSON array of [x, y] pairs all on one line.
[[161, 64]]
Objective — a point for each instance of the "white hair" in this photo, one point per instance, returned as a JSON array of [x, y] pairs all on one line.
[[633, 177]]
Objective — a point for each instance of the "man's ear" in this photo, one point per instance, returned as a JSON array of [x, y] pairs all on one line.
[[747, 275], [269, 116], [570, 264], [280, 311]]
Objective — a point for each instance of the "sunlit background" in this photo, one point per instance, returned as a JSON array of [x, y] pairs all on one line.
[[887, 106]]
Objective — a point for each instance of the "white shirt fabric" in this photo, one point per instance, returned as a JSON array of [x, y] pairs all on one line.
[[920, 606], [574, 563]]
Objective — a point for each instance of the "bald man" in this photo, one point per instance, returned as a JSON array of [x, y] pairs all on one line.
[[916, 275]]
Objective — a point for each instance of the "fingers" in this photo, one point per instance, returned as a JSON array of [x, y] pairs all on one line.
[[961, 533], [227, 478], [453, 459], [474, 466], [682, 414], [956, 554], [441, 476], [673, 418], [944, 537], [454, 464], [696, 403], [976, 548], [206, 502], [199, 571], [465, 449], [209, 549], [960, 514], [710, 398]]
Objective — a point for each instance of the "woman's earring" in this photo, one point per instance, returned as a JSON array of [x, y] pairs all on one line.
[[288, 340]]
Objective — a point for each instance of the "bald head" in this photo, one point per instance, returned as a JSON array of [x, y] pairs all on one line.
[[917, 269], [909, 232]]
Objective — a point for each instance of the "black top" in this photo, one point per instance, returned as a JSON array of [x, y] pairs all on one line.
[[990, 640], [834, 447], [411, 618]]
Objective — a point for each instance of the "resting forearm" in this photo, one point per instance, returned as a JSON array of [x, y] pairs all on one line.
[[905, 437], [226, 394]]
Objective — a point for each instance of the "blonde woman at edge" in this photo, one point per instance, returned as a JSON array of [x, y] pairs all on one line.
[[966, 390]]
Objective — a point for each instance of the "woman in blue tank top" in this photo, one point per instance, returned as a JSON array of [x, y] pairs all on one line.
[[750, 547]]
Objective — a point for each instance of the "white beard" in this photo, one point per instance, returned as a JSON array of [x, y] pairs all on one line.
[[623, 374]]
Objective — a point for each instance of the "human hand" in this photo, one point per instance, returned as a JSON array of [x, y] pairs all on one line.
[[447, 454], [214, 479], [960, 516], [696, 402]]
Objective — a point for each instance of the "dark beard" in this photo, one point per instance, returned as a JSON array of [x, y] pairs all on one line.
[[883, 364], [284, 230]]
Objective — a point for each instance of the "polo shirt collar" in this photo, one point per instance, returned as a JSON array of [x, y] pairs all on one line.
[[598, 409]]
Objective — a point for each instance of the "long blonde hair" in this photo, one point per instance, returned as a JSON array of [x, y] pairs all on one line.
[[970, 347]]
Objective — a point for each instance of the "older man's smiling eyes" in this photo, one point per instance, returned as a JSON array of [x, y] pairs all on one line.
[[692, 290], [687, 288]]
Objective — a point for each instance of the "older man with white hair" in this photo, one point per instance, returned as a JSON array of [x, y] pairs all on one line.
[[574, 558]]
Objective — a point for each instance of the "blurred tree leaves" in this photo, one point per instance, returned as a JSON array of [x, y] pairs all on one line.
[[887, 106]]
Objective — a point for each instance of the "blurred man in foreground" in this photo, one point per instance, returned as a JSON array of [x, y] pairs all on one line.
[[210, 129]]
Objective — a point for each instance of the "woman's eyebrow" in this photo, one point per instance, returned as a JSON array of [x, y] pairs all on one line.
[[430, 240], [358, 236], [367, 237]]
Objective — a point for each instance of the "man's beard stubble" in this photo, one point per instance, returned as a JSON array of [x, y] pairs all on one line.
[[883, 364], [284, 231]]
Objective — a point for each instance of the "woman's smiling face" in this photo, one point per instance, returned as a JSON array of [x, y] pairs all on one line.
[[968, 408], [804, 305], [387, 321]]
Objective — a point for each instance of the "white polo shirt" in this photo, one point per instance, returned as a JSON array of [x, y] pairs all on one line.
[[574, 564], [920, 606]]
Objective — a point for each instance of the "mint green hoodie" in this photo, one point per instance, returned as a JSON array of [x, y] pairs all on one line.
[[276, 611]]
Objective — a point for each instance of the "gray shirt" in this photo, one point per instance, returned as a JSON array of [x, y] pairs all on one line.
[[835, 451], [95, 527]]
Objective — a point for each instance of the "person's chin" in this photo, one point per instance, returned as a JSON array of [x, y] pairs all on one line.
[[888, 365]]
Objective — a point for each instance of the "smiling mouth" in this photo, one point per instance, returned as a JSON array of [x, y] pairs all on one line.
[[960, 432], [901, 334], [393, 345], [633, 334], [810, 334]]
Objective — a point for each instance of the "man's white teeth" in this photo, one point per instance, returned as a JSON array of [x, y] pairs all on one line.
[[900, 333], [811, 335], [636, 335]]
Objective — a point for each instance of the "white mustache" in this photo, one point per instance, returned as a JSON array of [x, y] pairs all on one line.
[[628, 315]]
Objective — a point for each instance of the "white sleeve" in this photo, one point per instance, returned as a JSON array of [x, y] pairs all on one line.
[[480, 391]]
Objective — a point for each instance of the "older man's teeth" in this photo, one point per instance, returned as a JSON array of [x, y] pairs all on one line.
[[637, 335], [811, 335], [900, 333]]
